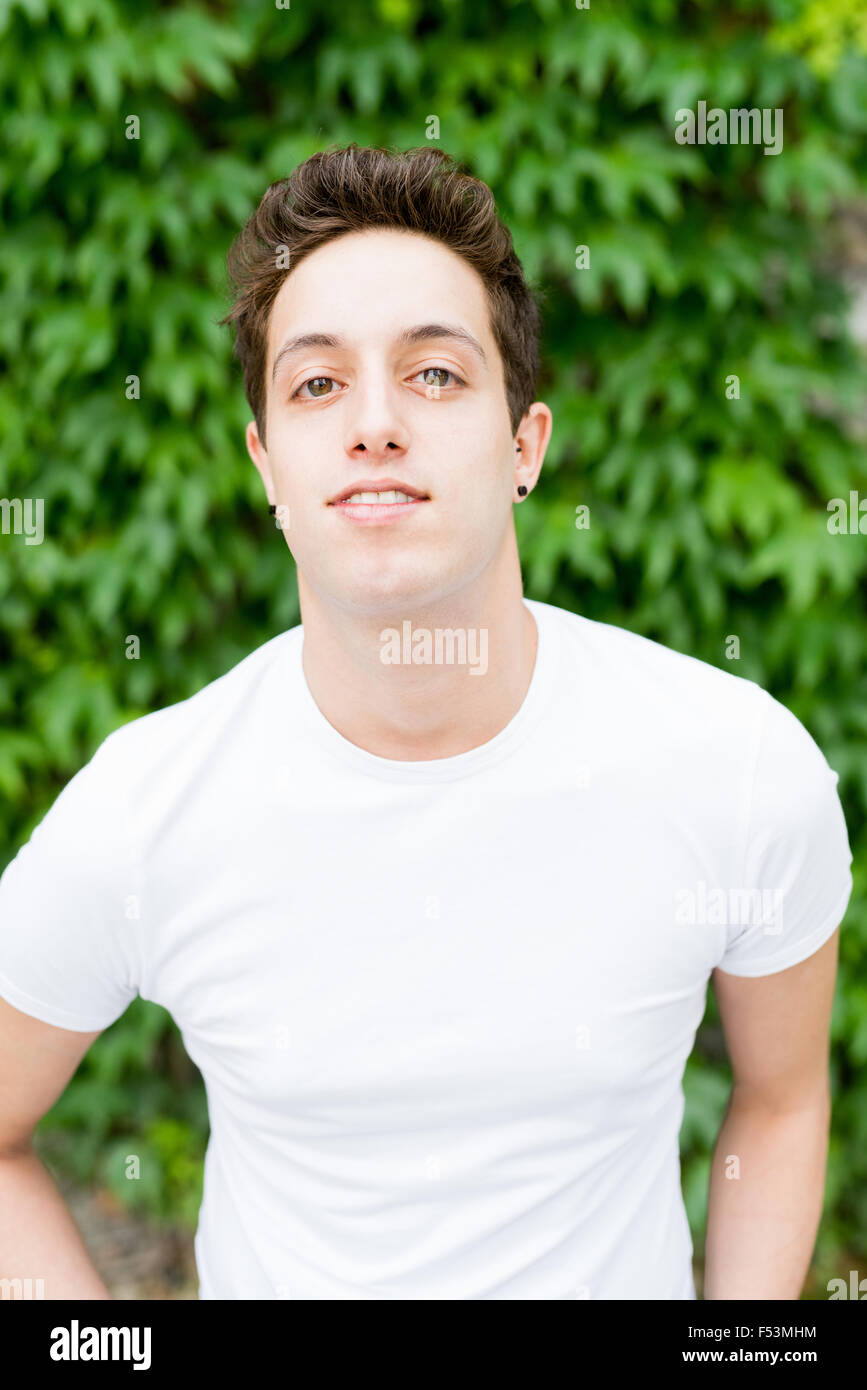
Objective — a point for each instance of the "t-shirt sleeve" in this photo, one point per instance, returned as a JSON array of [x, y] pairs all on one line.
[[69, 947], [797, 877]]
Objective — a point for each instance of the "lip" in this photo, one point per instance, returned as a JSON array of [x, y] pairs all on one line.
[[377, 513], [378, 485]]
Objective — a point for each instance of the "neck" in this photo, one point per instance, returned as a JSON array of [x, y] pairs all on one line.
[[475, 652]]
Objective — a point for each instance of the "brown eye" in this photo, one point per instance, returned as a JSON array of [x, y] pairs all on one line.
[[315, 383], [443, 371]]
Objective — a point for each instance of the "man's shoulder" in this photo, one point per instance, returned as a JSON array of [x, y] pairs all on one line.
[[228, 701], [657, 682]]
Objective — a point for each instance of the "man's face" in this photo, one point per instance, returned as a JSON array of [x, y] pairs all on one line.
[[378, 410]]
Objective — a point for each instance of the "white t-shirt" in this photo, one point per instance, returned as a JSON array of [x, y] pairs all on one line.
[[442, 1009]]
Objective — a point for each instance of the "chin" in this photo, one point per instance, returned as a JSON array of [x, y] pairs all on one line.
[[393, 596]]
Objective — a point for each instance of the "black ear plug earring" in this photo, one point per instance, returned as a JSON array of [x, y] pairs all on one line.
[[522, 491]]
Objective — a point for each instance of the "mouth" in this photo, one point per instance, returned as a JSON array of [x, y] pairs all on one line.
[[378, 502], [387, 492]]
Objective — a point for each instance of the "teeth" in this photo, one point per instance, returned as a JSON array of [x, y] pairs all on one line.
[[386, 497]]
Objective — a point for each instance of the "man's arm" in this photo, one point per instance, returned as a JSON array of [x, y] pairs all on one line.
[[38, 1237], [762, 1223]]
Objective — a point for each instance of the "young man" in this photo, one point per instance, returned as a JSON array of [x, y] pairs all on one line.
[[433, 883]]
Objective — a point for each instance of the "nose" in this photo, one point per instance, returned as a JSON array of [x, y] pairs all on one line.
[[375, 429]]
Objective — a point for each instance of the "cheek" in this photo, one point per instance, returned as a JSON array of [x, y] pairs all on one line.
[[298, 471]]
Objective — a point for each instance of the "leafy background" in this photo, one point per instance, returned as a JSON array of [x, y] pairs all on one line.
[[708, 515]]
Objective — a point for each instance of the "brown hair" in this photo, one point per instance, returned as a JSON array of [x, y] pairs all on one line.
[[352, 188]]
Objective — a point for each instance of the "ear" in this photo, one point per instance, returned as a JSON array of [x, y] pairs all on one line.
[[533, 435], [259, 455]]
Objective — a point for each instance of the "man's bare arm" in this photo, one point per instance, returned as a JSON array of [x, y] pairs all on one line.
[[762, 1223], [38, 1236]]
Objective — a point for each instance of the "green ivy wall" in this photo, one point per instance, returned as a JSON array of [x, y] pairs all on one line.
[[708, 514]]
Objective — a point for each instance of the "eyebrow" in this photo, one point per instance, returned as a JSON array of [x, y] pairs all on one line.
[[422, 333]]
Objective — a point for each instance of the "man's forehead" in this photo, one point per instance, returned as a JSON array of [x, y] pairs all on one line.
[[323, 297]]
